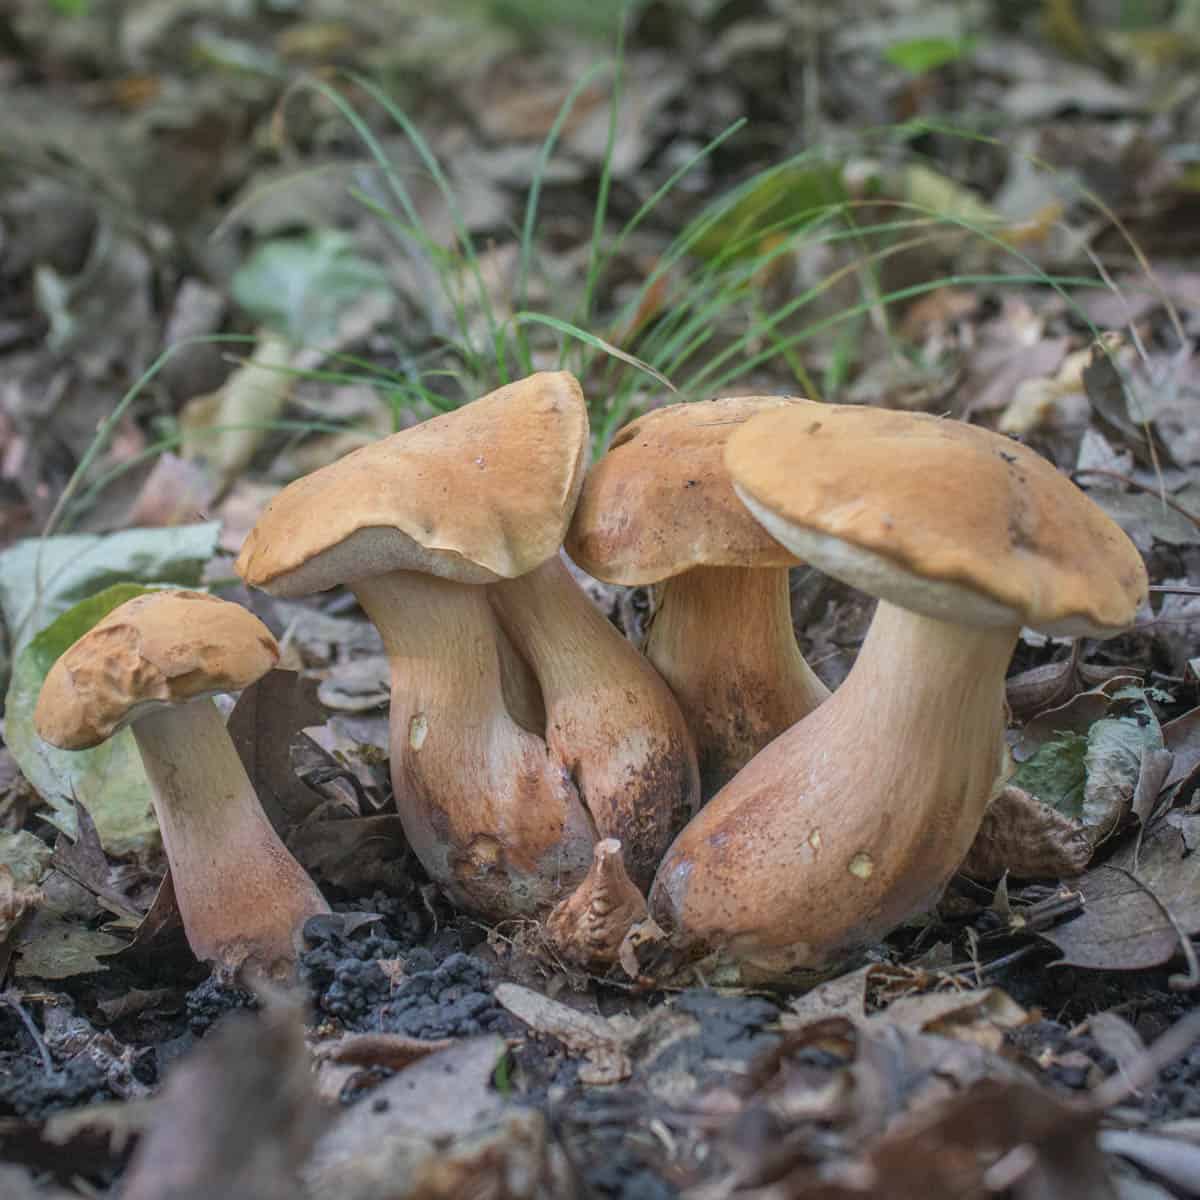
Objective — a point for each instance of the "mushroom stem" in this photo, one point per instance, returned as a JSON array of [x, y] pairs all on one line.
[[243, 897], [610, 720], [854, 820], [723, 640], [492, 817], [589, 926]]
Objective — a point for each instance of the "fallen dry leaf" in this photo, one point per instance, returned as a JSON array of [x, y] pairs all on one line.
[[372, 1150], [1121, 927], [265, 719], [1023, 837], [585, 1034], [236, 1118]]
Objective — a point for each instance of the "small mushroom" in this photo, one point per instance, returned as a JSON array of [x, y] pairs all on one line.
[[610, 720], [853, 820], [413, 524], [152, 664], [659, 508], [589, 926]]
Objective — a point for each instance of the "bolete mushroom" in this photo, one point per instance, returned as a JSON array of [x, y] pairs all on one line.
[[610, 720], [413, 524], [853, 820], [589, 926], [659, 508], [152, 664]]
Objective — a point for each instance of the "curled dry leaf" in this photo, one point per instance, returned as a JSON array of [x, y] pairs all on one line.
[[1021, 836], [15, 901]]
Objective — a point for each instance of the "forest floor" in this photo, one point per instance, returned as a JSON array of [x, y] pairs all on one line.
[[346, 218]]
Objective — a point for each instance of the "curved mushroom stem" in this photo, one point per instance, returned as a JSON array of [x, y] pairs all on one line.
[[722, 638], [494, 819], [589, 926], [610, 720], [854, 820], [243, 897]]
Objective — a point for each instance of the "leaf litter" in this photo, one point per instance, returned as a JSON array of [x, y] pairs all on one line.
[[995, 1047]]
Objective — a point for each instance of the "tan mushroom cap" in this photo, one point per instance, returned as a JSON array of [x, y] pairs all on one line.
[[478, 494], [939, 517], [155, 650], [660, 502]]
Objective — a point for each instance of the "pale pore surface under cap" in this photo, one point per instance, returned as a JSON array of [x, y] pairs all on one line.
[[160, 649], [946, 519], [660, 502], [478, 494]]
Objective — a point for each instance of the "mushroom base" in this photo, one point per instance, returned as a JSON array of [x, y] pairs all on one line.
[[244, 899], [611, 722], [855, 819], [723, 640], [494, 819]]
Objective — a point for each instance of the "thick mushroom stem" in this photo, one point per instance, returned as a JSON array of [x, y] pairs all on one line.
[[494, 819], [722, 638], [243, 897], [589, 926], [855, 819], [610, 720]]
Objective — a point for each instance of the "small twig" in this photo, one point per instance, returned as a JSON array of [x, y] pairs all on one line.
[[1171, 590], [34, 1032], [1177, 982], [1141, 487]]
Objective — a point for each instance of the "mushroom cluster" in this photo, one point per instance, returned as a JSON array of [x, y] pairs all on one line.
[[855, 818], [542, 766]]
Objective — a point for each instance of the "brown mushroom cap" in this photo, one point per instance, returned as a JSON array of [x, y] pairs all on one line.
[[478, 494], [152, 651], [660, 502], [939, 517]]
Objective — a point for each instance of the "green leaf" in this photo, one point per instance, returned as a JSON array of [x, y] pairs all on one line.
[[43, 577], [1092, 777], [109, 780], [1056, 774], [300, 287], [778, 201], [919, 55]]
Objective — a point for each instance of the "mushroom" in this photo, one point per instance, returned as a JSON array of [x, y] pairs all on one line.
[[413, 524], [853, 820], [589, 926], [659, 508], [152, 664], [610, 720]]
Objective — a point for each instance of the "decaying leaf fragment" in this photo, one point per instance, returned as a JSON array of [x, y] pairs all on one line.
[[581, 1032], [1023, 837]]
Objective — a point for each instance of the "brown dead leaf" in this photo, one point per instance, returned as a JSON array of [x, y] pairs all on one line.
[[176, 492], [357, 854], [15, 901], [160, 931], [982, 1016], [265, 719], [1023, 837], [392, 1050], [372, 1151], [82, 1141], [237, 1117], [84, 861], [1121, 928]]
